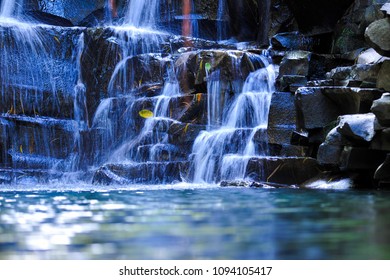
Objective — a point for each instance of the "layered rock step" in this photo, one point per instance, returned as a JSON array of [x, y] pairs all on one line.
[[141, 173], [38, 143]]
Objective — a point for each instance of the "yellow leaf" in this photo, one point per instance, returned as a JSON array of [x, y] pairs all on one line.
[[198, 97], [56, 38], [21, 149], [146, 114], [186, 128]]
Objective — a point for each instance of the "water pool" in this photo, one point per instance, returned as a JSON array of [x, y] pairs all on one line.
[[192, 222]]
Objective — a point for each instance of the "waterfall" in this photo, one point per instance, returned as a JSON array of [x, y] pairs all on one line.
[[214, 100], [45, 105], [154, 131], [80, 102], [223, 153], [221, 17], [7, 8], [142, 13]]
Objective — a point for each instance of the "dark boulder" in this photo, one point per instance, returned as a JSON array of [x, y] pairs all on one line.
[[383, 79], [140, 173], [47, 18], [287, 171]]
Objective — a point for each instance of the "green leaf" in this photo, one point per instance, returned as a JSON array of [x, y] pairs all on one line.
[[146, 114], [207, 66]]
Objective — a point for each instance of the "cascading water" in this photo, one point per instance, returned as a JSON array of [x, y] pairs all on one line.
[[7, 8], [138, 45], [222, 154], [132, 123], [221, 17], [149, 135], [142, 13], [36, 97]]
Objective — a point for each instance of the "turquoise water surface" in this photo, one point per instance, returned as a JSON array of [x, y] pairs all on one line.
[[192, 222]]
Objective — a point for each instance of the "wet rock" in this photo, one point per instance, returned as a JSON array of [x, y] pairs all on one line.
[[324, 83], [370, 56], [140, 173], [358, 72], [94, 19], [367, 97], [282, 110], [30, 101], [15, 176], [311, 65], [194, 109], [383, 80], [377, 36], [181, 44], [72, 10], [27, 161], [251, 184], [276, 135], [47, 18], [184, 134], [38, 143], [287, 171], [103, 52], [383, 171], [317, 107], [245, 184], [287, 150], [295, 63], [159, 153], [291, 41], [221, 65], [386, 9], [358, 127], [290, 82], [150, 70], [282, 20], [320, 64], [335, 138], [30, 79], [381, 109], [353, 158], [294, 151], [329, 154], [350, 29], [381, 140]]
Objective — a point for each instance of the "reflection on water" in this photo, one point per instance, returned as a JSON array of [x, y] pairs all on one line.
[[193, 223]]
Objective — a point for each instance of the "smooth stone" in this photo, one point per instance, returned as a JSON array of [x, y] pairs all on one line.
[[381, 109], [377, 36], [383, 80], [358, 127]]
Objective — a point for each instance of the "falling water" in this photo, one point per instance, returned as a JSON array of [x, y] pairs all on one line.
[[221, 17], [7, 8], [80, 102], [214, 100], [142, 13], [37, 99], [222, 154], [140, 46], [154, 132]]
